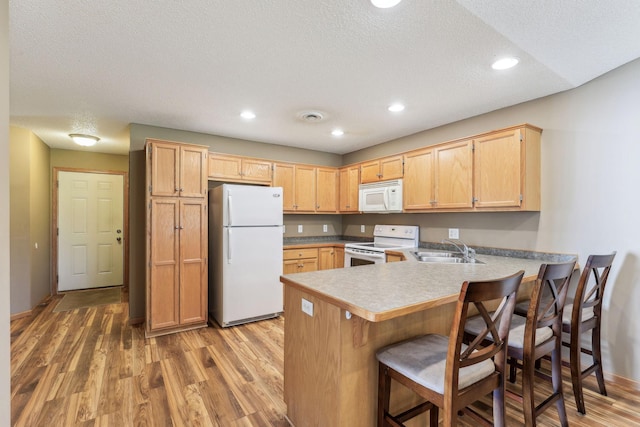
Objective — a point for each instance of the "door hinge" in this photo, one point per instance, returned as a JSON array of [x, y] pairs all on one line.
[[150, 189], [57, 231], [473, 147], [57, 278], [521, 198], [150, 151], [149, 204]]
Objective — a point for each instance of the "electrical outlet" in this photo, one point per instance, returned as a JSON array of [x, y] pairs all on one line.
[[454, 233], [362, 228], [307, 307], [325, 228], [300, 228]]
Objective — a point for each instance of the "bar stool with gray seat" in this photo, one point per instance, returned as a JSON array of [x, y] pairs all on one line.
[[584, 314], [537, 335], [444, 371]]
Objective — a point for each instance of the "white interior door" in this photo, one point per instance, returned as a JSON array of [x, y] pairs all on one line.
[[90, 230]]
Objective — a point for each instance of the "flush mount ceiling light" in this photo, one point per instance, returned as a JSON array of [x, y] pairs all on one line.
[[84, 140], [396, 108], [384, 4], [248, 115], [505, 63], [337, 132]]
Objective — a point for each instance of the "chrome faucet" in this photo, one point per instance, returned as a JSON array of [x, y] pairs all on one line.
[[466, 251]]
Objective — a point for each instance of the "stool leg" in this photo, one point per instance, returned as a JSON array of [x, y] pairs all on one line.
[[433, 416], [384, 392], [556, 379], [576, 371], [499, 406], [528, 404], [597, 358]]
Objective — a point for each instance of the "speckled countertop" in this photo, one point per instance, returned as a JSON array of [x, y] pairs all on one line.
[[385, 291]]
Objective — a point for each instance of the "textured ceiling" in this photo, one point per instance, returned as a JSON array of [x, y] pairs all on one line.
[[94, 67]]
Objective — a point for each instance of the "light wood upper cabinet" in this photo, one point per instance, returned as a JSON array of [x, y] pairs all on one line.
[[349, 182], [419, 184], [284, 176], [327, 190], [381, 169], [305, 188], [439, 177], [454, 175], [298, 184], [177, 169], [507, 169], [239, 169]]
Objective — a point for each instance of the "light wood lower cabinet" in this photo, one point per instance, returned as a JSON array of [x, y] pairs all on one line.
[[312, 259], [177, 273], [395, 257], [327, 258], [299, 260]]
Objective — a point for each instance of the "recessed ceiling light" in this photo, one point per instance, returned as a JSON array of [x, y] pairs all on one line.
[[337, 132], [396, 108], [84, 140], [247, 114], [384, 4], [505, 63]]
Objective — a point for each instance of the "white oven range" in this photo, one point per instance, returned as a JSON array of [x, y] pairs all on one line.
[[385, 237]]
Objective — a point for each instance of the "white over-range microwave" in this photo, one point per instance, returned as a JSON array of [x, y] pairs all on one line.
[[381, 197]]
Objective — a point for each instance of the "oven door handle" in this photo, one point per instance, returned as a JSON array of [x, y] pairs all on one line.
[[355, 253]]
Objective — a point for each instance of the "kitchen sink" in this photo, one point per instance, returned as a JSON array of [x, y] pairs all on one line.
[[443, 257]]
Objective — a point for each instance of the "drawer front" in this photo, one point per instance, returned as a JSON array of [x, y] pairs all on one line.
[[300, 253]]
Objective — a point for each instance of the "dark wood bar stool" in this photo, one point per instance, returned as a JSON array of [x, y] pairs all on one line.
[[445, 372], [585, 314], [537, 335]]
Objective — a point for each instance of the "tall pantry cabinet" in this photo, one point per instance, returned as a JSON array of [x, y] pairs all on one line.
[[176, 231]]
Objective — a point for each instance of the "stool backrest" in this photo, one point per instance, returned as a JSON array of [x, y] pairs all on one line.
[[591, 286], [553, 282], [479, 295]]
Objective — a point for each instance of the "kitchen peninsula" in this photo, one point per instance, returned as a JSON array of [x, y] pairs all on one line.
[[330, 369]]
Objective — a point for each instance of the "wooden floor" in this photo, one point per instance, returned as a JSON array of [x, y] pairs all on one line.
[[87, 367]]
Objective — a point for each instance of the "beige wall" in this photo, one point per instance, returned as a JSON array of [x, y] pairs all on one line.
[[5, 368], [139, 133], [590, 154], [88, 160], [30, 227], [20, 271]]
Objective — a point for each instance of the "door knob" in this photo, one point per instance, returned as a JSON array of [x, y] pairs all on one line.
[[118, 231]]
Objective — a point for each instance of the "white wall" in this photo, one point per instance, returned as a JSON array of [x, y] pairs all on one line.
[[5, 374], [590, 200]]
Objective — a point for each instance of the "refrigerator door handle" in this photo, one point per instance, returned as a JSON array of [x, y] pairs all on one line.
[[229, 209], [228, 245]]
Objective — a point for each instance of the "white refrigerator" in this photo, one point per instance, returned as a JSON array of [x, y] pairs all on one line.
[[245, 249]]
